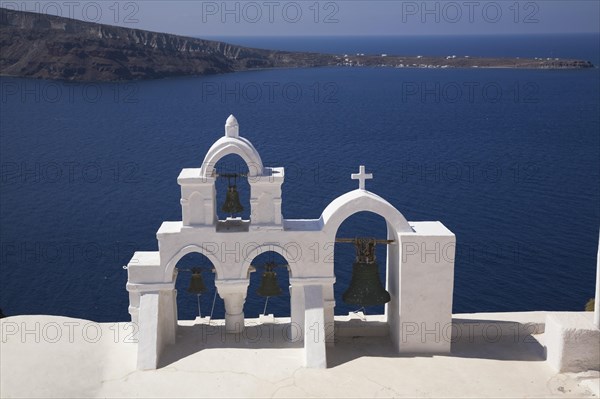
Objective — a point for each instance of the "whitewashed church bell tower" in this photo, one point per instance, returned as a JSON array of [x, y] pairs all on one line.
[[419, 262]]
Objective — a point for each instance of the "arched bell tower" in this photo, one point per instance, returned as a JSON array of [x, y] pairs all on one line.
[[198, 194], [419, 263]]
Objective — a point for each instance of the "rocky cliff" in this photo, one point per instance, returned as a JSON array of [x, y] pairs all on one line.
[[50, 47]]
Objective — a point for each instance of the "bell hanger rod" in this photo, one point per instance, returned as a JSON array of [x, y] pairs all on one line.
[[198, 269], [230, 175], [271, 264], [354, 240]]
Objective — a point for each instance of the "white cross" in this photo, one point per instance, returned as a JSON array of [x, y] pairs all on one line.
[[361, 176]]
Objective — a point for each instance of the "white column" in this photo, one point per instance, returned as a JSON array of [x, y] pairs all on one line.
[[315, 354], [297, 310], [157, 320], [233, 293], [149, 337], [329, 312], [299, 300], [134, 306], [168, 303]]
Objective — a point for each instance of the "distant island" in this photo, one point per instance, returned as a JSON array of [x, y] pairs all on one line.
[[50, 47]]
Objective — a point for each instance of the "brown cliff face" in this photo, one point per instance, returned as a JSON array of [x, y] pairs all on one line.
[[44, 46], [50, 47]]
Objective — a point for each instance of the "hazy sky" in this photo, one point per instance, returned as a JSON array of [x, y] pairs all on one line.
[[348, 17]]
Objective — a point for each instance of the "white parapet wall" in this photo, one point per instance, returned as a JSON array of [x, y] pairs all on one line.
[[572, 342]]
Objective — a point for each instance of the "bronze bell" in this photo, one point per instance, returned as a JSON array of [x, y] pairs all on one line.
[[232, 201], [365, 287], [268, 284], [196, 283]]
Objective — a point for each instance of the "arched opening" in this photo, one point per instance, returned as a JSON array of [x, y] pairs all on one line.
[[278, 305], [344, 207], [360, 224], [227, 167], [187, 303]]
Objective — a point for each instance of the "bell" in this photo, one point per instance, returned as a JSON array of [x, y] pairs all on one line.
[[196, 283], [268, 284], [365, 287], [232, 201]]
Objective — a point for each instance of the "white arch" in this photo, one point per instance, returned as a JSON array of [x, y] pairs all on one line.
[[266, 248], [232, 145], [358, 200], [188, 249]]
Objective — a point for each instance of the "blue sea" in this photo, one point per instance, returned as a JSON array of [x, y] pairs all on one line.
[[509, 160]]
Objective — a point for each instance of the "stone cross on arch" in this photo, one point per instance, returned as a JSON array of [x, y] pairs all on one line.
[[361, 176]]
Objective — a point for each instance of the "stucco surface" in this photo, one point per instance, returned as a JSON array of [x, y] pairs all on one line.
[[207, 363]]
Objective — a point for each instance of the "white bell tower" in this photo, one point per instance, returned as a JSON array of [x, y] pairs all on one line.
[[420, 261]]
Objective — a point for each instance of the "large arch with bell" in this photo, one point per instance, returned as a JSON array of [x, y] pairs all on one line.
[[349, 204]]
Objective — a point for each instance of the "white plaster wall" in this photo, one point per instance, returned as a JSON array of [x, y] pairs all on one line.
[[424, 322], [232, 252], [265, 198], [198, 198]]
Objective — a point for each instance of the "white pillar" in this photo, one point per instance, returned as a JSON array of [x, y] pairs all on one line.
[[134, 306], [315, 354], [197, 198], [234, 312], [423, 323], [597, 300], [233, 293], [156, 319], [329, 313], [299, 300], [297, 311], [149, 338], [168, 303]]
